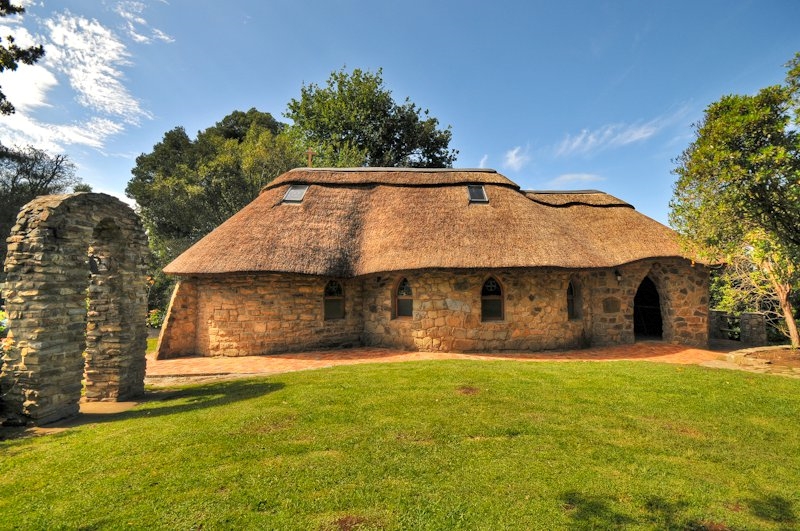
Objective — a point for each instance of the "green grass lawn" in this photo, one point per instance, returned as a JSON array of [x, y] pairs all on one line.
[[152, 343], [428, 445]]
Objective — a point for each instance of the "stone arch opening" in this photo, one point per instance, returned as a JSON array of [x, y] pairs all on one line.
[[76, 297], [647, 318]]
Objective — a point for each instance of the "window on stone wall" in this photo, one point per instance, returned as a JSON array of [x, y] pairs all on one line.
[[573, 302], [403, 299], [491, 301], [334, 300]]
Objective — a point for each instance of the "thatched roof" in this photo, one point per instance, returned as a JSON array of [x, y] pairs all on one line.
[[368, 220]]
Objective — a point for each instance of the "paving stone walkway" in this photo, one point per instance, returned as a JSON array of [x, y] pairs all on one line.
[[167, 372]]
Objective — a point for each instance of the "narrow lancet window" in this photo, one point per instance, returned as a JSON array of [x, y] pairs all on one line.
[[403, 300], [333, 301], [491, 301]]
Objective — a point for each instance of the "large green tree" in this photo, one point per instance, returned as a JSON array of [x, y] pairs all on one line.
[[11, 55], [354, 121], [738, 188], [185, 188]]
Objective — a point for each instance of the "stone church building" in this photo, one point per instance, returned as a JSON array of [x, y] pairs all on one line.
[[433, 260]]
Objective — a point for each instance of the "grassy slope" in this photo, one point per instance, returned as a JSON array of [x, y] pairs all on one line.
[[429, 445]]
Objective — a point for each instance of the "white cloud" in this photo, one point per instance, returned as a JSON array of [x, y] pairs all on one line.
[[91, 56], [161, 36], [515, 158], [27, 87], [19, 129], [571, 179], [616, 135], [608, 136], [85, 60], [484, 160], [135, 24]]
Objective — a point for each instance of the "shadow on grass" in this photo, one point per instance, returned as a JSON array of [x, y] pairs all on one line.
[[590, 511], [173, 402], [775, 509], [160, 403]]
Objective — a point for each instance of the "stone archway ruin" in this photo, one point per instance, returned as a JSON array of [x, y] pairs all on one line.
[[76, 299]]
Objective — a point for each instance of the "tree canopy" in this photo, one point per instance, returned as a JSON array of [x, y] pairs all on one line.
[[354, 121], [738, 187], [26, 173], [11, 54], [185, 188]]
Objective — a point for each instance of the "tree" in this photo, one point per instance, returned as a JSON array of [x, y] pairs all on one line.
[[743, 286], [25, 174], [11, 54], [185, 188], [354, 121], [738, 188]]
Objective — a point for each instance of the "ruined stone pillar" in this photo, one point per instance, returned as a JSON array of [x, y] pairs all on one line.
[[76, 298]]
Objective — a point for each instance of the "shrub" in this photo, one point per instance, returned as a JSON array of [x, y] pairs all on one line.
[[155, 318]]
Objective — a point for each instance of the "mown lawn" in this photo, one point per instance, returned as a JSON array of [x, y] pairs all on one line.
[[428, 445]]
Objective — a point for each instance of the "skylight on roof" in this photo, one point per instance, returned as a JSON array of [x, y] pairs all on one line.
[[477, 194], [295, 193]]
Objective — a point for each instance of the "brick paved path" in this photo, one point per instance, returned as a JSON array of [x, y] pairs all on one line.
[[278, 363]]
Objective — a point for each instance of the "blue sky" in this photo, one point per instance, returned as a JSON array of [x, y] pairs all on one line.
[[554, 95]]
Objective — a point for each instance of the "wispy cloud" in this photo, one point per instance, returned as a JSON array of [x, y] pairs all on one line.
[[614, 135], [21, 129], [516, 158], [572, 179], [484, 160], [137, 28], [608, 136], [89, 59]]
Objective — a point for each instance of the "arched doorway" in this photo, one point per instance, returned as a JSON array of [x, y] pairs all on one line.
[[647, 321], [76, 298]]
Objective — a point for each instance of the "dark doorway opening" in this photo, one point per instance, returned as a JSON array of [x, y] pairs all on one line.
[[647, 322]]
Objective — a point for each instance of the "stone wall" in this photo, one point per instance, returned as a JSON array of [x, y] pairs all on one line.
[[447, 314], [260, 314], [752, 327], [683, 294], [247, 315], [76, 297], [181, 320]]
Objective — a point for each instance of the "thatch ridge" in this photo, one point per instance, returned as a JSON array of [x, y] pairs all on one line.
[[374, 223], [567, 198], [390, 177]]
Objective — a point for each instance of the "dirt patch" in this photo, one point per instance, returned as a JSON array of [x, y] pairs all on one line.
[[468, 390], [777, 356], [350, 522]]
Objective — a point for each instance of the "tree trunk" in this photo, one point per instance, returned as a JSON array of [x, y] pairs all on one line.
[[788, 316], [783, 291]]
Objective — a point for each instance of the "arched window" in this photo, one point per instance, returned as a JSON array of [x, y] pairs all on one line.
[[573, 301], [491, 301], [403, 300], [333, 301]]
